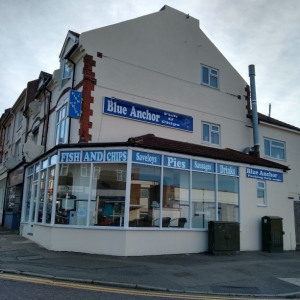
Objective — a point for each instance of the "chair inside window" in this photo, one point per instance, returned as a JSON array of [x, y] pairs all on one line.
[[166, 221]]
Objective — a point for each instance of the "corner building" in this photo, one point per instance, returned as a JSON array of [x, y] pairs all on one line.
[[144, 127]]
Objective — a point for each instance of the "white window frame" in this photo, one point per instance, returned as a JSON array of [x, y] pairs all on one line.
[[66, 75], [211, 130], [261, 186], [212, 72], [20, 118], [59, 122], [274, 146], [17, 148], [7, 133]]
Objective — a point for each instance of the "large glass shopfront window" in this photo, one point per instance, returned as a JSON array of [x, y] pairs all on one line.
[[144, 208], [175, 203], [203, 199], [88, 188], [72, 194], [228, 198], [108, 194]]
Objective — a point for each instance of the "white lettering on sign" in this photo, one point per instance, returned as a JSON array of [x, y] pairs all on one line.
[[173, 162], [93, 156], [70, 156], [202, 166], [115, 108], [146, 158], [116, 156], [145, 115], [227, 170]]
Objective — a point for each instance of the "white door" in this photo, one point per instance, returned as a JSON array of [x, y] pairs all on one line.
[[32, 212]]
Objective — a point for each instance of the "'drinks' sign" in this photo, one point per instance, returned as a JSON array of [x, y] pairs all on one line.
[[137, 112]]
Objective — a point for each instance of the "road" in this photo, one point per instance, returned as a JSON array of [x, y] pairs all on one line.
[[15, 287]]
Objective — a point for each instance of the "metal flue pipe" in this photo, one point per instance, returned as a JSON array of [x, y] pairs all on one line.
[[254, 109]]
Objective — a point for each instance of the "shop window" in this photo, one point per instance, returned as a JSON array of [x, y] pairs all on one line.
[[210, 77], [175, 199], [261, 193], [108, 195], [203, 199], [49, 194], [41, 197], [61, 126], [274, 149], [72, 195], [28, 198], [228, 198], [144, 196], [211, 134]]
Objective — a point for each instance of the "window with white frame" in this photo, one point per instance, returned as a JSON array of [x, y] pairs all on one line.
[[20, 117], [61, 126], [261, 193], [66, 70], [274, 149], [7, 133], [210, 76], [210, 134], [17, 148]]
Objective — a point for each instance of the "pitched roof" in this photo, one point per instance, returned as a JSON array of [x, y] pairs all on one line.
[[150, 141], [264, 118]]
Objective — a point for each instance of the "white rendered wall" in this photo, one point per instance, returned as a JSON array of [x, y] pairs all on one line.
[[156, 61]]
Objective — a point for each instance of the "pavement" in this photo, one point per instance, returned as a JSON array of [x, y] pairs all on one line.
[[251, 274]]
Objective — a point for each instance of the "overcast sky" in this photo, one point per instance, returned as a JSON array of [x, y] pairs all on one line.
[[261, 32]]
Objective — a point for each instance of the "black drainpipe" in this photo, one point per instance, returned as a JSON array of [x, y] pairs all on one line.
[[48, 116]]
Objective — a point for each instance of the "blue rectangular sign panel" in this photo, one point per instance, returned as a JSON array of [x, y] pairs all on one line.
[[264, 174], [75, 104], [70, 156], [137, 112], [92, 156], [146, 158], [204, 166], [116, 155], [176, 162], [228, 170]]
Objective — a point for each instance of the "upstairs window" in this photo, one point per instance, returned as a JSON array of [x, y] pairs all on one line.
[[210, 77], [211, 134], [7, 133], [17, 149], [20, 118], [61, 126], [274, 149], [66, 70], [261, 193]]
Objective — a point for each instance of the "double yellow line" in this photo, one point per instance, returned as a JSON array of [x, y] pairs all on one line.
[[98, 288]]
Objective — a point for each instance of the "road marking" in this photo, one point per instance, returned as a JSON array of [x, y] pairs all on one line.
[[98, 288], [295, 281]]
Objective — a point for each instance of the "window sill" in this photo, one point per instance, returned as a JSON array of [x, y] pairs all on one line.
[[261, 205], [210, 144], [275, 158], [212, 87]]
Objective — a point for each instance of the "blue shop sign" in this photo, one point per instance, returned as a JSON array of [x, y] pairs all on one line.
[[176, 162], [204, 166], [75, 99], [93, 156], [70, 156], [137, 112], [116, 155], [264, 174], [146, 158], [228, 170]]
